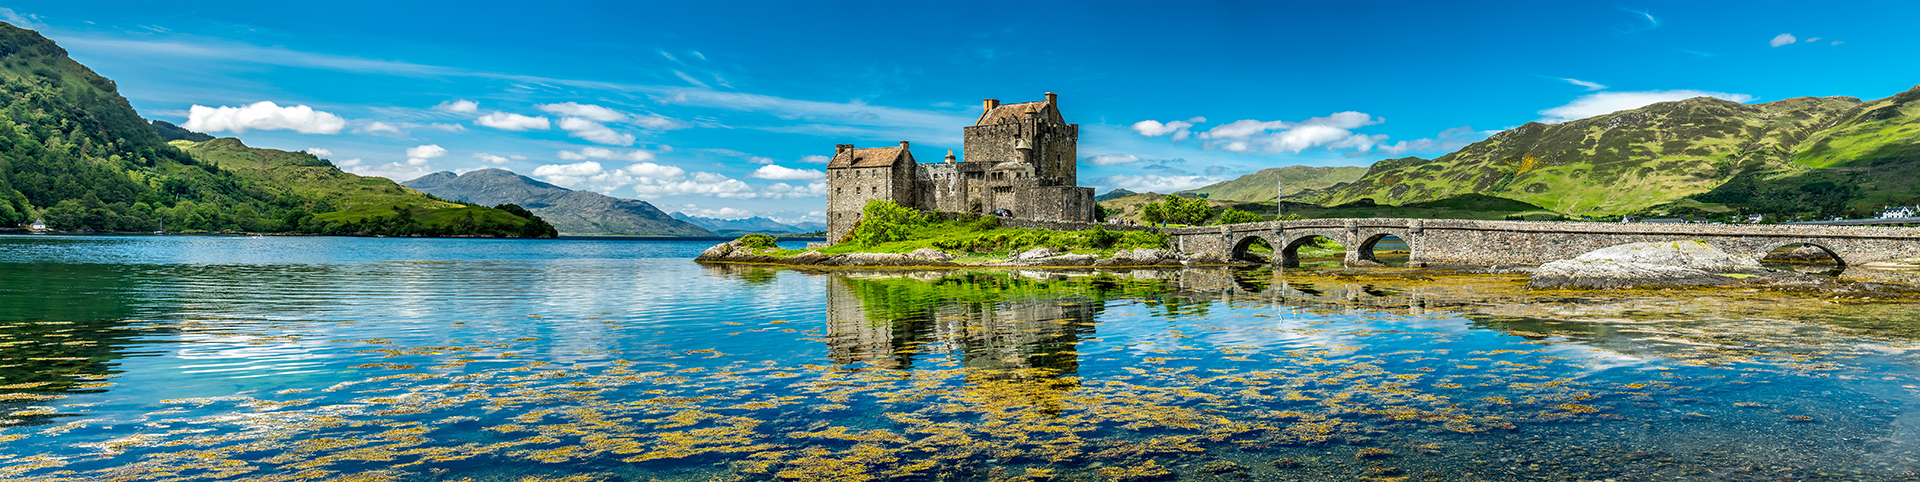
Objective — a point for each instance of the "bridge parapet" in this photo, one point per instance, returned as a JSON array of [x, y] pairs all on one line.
[[1474, 242]]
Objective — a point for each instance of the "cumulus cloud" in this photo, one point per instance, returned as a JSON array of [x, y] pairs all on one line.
[[1180, 129], [513, 122], [816, 159], [1582, 83], [722, 213], [461, 106], [489, 158], [779, 173], [1782, 39], [382, 128], [1448, 140], [418, 156], [781, 190], [392, 170], [1111, 159], [319, 152], [1157, 183], [594, 132], [1334, 131], [1609, 102], [585, 111], [263, 115], [602, 153]]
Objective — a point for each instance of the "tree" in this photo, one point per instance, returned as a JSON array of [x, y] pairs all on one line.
[[1235, 216], [1153, 213]]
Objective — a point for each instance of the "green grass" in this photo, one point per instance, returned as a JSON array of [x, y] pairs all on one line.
[[983, 240]]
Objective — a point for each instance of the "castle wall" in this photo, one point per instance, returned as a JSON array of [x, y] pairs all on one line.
[[852, 188], [1056, 203]]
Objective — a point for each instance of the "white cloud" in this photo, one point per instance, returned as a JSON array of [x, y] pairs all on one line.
[[584, 111], [778, 173], [594, 132], [512, 122], [447, 127], [1179, 129], [316, 151], [1157, 183], [418, 156], [264, 116], [781, 190], [490, 158], [392, 170], [26, 21], [377, 127], [1582, 83], [656, 122], [602, 153], [1111, 159], [461, 106], [1812, 40], [1781, 39], [569, 170], [722, 213], [690, 79], [1838, 42], [816, 159], [1334, 131], [1448, 140], [1609, 102], [760, 160]]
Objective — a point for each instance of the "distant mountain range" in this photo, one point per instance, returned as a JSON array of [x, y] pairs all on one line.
[[580, 213], [754, 224]]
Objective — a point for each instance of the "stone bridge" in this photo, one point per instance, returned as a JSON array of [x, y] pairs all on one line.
[[1441, 242]]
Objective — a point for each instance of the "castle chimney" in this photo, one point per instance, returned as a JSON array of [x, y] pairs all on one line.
[[989, 104], [903, 144], [839, 148], [1053, 100], [949, 156]]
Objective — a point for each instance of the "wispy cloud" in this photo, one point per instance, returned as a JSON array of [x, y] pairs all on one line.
[[1642, 21], [1609, 102], [1782, 39], [1582, 83]]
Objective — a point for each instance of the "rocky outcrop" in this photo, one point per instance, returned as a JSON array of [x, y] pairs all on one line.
[[1647, 265]]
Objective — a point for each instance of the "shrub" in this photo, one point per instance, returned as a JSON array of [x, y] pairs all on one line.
[[1235, 216], [883, 221], [757, 241]]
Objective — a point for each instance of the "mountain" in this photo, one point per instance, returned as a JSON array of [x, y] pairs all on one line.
[[344, 203], [1827, 155], [1112, 195], [583, 213], [74, 152], [1259, 186], [754, 224]]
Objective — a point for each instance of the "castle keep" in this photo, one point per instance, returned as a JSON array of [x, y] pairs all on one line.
[[1018, 157]]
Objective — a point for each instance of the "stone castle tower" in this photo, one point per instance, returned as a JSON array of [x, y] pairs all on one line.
[[1019, 157]]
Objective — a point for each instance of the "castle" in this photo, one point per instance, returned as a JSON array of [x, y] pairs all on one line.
[[1019, 158]]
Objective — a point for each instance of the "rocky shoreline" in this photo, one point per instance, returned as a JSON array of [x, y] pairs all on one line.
[[735, 252]]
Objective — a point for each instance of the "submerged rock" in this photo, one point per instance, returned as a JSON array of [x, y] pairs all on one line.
[[1647, 265]]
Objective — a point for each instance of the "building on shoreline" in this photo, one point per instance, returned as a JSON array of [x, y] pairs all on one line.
[[1020, 158]]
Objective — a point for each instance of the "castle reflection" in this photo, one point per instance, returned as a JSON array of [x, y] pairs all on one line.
[[1001, 325]]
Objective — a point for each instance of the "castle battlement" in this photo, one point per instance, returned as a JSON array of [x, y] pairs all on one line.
[[1018, 157]]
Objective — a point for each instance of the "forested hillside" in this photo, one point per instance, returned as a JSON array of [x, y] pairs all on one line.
[[74, 153]]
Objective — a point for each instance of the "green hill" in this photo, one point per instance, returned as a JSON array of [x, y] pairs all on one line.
[[344, 203], [1260, 185], [74, 152], [1834, 155]]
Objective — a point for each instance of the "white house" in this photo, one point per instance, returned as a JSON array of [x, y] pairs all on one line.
[[38, 225], [1893, 212]]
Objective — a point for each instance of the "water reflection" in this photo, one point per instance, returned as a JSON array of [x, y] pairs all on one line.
[[998, 324]]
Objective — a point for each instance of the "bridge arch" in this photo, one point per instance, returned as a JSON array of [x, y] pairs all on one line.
[[1362, 253], [1289, 255], [1243, 248]]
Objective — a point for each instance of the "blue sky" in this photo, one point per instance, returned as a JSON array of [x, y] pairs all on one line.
[[725, 109]]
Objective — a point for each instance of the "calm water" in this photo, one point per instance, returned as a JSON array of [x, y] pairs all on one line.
[[187, 358]]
